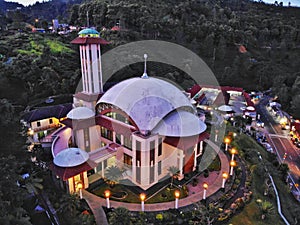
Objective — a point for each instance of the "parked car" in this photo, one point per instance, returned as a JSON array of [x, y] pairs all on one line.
[[259, 123], [267, 146]]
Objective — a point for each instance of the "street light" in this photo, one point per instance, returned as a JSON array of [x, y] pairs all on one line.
[[232, 164], [79, 186], [30, 132], [233, 151], [143, 197], [177, 195], [205, 186], [107, 195], [227, 141], [216, 135], [225, 176]]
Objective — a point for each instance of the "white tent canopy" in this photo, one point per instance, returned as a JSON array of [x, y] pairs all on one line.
[[225, 108]]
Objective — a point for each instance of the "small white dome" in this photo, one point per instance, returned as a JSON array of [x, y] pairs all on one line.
[[80, 113], [71, 157]]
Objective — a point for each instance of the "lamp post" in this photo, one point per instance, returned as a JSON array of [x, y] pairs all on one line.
[[30, 132], [233, 151], [177, 194], [143, 197], [227, 141], [107, 195], [232, 164], [225, 176], [216, 135], [205, 186], [79, 186]]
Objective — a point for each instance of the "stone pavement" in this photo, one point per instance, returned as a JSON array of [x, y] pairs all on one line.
[[214, 184]]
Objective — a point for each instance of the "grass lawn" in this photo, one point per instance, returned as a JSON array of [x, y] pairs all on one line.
[[131, 197], [165, 195]]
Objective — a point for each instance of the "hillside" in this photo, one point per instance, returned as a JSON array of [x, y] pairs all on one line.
[[247, 44], [215, 30]]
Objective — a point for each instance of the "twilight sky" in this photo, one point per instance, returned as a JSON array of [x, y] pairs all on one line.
[[285, 2]]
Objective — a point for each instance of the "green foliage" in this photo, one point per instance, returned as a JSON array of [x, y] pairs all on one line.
[[58, 47], [120, 216]]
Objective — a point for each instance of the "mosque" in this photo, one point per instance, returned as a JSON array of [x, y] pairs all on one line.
[[143, 125]]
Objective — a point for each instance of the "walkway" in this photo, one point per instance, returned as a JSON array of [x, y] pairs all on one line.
[[96, 207], [62, 136], [214, 185]]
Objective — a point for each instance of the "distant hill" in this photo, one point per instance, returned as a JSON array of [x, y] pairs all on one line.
[[248, 44], [4, 5]]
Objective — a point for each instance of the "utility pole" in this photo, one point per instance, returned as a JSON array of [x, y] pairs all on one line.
[[87, 19]]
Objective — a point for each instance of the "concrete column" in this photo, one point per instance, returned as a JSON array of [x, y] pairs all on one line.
[[95, 69], [89, 73], [181, 156]]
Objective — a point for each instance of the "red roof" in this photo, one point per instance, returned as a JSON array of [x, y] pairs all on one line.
[[297, 126], [185, 143], [248, 99], [242, 49], [89, 40], [115, 28], [194, 90], [67, 172]]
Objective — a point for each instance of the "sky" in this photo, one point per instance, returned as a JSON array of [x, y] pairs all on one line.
[[285, 2]]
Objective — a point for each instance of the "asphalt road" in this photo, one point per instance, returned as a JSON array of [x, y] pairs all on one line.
[[280, 140]]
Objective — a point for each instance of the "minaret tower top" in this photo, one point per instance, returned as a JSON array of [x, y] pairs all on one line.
[[89, 42]]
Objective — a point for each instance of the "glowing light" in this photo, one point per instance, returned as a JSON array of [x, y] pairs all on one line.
[[205, 186], [142, 197], [225, 175], [177, 194], [107, 193]]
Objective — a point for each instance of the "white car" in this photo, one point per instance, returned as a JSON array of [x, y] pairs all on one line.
[[268, 147]]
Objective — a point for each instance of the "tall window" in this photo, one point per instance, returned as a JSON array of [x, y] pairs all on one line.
[[128, 142], [50, 121], [138, 145], [152, 152], [86, 139], [38, 123], [108, 134], [127, 159], [159, 146], [118, 139], [159, 168]]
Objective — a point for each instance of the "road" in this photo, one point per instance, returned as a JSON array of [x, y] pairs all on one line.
[[280, 141]]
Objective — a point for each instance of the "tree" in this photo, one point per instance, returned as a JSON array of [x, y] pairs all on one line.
[[266, 208], [113, 175], [120, 216], [32, 184], [174, 173]]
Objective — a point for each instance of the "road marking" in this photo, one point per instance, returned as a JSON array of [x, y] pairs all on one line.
[[291, 157], [297, 168], [278, 135]]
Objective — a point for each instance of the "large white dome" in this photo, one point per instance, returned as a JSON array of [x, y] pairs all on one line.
[[147, 101]]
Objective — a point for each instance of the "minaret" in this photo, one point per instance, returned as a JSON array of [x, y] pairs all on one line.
[[89, 42]]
